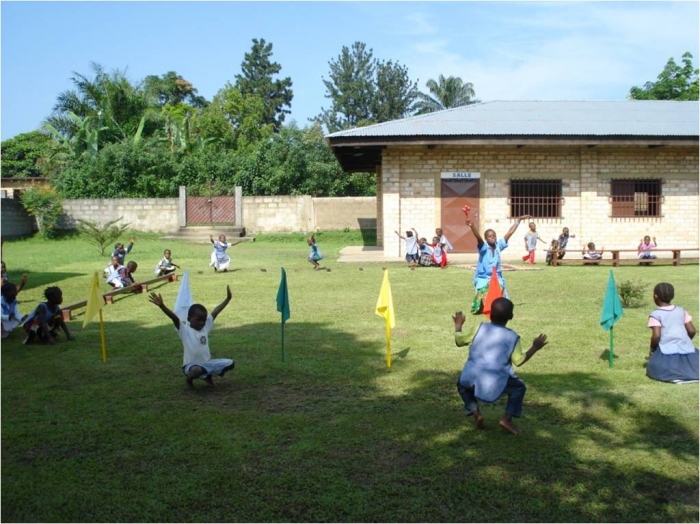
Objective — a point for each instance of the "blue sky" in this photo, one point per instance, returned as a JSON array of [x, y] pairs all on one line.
[[508, 50]]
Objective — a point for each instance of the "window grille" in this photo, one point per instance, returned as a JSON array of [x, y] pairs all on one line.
[[539, 198], [635, 198]]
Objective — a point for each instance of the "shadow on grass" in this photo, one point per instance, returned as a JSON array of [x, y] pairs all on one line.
[[330, 434], [39, 279]]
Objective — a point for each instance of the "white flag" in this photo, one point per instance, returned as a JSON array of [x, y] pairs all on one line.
[[184, 297]]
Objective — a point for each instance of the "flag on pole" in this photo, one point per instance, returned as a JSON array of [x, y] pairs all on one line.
[[94, 301], [283, 297], [283, 304], [94, 306], [184, 297], [612, 311], [493, 293], [385, 308]]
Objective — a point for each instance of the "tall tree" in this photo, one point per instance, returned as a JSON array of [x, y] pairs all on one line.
[[257, 80], [395, 94], [351, 89], [444, 94], [25, 155], [673, 83], [171, 89]]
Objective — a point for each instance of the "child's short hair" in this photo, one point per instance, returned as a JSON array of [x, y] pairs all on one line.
[[132, 266], [501, 310], [664, 291], [197, 309], [591, 245], [409, 233], [8, 289], [52, 293]]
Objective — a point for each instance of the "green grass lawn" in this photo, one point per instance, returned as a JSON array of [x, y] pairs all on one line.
[[331, 434]]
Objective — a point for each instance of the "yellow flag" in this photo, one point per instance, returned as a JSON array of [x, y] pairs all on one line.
[[385, 304], [94, 301]]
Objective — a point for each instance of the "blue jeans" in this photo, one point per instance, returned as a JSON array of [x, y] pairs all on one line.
[[515, 389]]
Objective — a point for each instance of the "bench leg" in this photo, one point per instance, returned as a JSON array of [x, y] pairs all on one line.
[[66, 315], [676, 258], [108, 300]]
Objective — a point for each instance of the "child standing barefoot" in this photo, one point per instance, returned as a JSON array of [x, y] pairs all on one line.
[[314, 253], [41, 325], [197, 361]]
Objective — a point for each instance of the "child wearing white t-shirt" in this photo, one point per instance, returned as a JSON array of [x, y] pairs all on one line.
[[194, 333]]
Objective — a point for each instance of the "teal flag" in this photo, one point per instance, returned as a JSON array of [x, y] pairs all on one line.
[[283, 297], [612, 308]]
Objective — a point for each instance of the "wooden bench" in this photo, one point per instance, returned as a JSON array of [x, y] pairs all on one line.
[[675, 255], [67, 310], [138, 287], [615, 254]]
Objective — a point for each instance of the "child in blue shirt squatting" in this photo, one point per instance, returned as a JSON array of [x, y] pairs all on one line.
[[488, 373], [194, 333], [489, 257]]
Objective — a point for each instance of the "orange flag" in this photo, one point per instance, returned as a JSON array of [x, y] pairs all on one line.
[[493, 293]]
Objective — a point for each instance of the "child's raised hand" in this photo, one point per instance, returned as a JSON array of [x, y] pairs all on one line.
[[132, 240], [539, 342], [156, 299], [24, 279], [459, 320]]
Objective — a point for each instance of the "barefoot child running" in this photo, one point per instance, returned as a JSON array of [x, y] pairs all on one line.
[[488, 373], [194, 333]]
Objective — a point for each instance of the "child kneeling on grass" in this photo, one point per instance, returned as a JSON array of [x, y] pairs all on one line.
[[197, 361], [488, 373]]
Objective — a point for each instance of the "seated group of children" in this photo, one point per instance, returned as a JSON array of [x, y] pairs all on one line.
[[420, 253]]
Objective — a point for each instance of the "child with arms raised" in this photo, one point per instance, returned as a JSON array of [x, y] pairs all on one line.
[[489, 257], [194, 333], [488, 373]]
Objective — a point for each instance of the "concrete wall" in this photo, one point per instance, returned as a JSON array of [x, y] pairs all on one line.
[[16, 222], [271, 214], [165, 215], [410, 185], [142, 214]]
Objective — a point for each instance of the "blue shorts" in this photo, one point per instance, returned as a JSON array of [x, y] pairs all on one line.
[[412, 258]]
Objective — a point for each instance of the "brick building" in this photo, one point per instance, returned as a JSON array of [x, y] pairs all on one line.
[[611, 172]]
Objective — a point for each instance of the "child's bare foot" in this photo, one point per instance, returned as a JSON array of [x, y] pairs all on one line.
[[509, 426], [209, 381], [190, 386], [478, 419]]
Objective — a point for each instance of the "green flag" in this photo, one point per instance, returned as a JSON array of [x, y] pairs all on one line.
[[612, 308], [283, 297]]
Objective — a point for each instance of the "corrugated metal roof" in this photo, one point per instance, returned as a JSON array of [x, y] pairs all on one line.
[[545, 118]]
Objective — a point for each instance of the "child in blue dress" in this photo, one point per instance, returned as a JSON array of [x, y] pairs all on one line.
[[314, 253], [489, 257], [488, 373], [220, 261]]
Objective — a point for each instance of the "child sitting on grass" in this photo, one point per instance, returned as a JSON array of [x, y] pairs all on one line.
[[197, 361], [11, 317], [41, 325], [488, 373], [166, 264]]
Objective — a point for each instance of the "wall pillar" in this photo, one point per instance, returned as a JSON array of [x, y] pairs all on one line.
[[182, 207]]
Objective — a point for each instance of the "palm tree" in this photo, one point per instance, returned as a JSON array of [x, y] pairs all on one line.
[[444, 94], [108, 100]]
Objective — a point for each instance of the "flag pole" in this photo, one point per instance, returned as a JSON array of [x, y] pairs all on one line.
[[388, 343], [102, 338], [282, 319], [610, 356]]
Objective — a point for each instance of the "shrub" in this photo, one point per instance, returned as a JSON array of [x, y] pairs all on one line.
[[632, 292], [102, 235], [44, 204]]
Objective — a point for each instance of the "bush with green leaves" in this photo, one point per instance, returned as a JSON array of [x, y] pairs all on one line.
[[101, 235], [632, 292], [44, 204]]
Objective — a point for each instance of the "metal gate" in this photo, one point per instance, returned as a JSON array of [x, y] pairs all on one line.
[[219, 210]]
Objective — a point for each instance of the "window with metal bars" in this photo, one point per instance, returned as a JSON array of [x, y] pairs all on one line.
[[635, 198], [539, 198]]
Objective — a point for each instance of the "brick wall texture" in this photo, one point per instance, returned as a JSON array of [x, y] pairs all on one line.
[[409, 191]]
